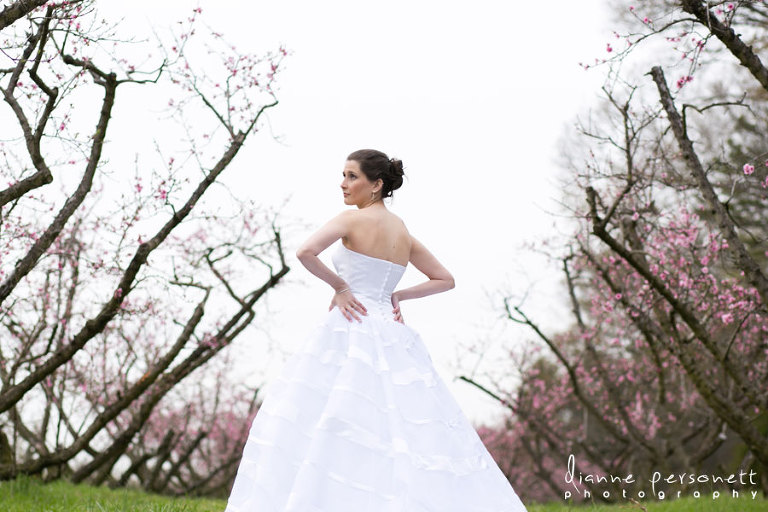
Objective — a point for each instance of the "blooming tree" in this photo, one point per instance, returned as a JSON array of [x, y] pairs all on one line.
[[115, 287], [665, 367]]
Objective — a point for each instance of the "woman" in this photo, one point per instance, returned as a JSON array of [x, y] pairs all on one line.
[[359, 420]]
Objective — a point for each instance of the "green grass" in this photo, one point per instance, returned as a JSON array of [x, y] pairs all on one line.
[[27, 494]]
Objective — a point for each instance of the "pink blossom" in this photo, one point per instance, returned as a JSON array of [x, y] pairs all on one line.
[[749, 169], [684, 80]]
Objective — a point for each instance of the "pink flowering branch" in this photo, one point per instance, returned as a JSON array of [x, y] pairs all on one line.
[[653, 332], [28, 262], [743, 52], [753, 272], [550, 436], [203, 353], [570, 369], [734, 416], [43, 175]]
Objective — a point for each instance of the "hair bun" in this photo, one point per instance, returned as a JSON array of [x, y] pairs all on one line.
[[397, 173]]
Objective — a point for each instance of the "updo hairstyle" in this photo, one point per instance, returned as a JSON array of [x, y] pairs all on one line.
[[377, 165]]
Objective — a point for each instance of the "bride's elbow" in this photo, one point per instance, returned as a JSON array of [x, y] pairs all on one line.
[[303, 253], [450, 283]]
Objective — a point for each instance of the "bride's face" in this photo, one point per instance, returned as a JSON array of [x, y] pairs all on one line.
[[356, 186]]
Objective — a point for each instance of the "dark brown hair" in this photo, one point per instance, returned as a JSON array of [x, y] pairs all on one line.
[[377, 165]]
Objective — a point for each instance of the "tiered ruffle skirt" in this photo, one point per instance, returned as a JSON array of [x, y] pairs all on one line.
[[359, 421]]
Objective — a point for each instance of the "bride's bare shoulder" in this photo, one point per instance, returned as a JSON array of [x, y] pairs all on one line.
[[347, 216], [398, 220]]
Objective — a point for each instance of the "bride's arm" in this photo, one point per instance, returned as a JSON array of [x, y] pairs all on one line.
[[317, 243], [440, 279]]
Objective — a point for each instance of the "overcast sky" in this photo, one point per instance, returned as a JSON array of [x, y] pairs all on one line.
[[472, 96]]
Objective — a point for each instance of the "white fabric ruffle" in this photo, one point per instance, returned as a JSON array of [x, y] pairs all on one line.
[[358, 421]]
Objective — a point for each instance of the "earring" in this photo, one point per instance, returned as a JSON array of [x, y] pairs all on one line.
[[373, 195]]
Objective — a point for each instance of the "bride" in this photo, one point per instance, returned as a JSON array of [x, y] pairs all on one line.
[[359, 420]]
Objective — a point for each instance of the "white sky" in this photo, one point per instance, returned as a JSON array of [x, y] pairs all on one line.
[[472, 96]]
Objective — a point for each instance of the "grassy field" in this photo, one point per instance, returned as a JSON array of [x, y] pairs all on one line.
[[29, 495]]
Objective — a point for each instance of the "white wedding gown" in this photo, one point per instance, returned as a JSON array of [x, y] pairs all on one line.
[[359, 421]]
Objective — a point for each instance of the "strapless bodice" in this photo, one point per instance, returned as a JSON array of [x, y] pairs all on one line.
[[371, 280]]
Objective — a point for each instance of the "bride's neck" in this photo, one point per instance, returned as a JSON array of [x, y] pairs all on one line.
[[378, 204]]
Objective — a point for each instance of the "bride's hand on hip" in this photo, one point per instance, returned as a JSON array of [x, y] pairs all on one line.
[[348, 305], [396, 304]]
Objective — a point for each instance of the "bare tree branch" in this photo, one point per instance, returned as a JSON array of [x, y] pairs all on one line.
[[18, 10]]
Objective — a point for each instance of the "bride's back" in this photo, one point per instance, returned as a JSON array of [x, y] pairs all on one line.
[[379, 233]]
